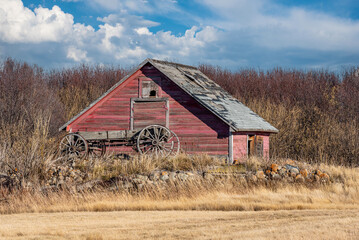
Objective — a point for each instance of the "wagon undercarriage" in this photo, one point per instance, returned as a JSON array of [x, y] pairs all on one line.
[[155, 140]]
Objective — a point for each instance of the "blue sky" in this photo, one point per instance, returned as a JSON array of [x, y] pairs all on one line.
[[234, 34]]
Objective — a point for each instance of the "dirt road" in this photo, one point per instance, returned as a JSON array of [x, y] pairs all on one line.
[[298, 224]]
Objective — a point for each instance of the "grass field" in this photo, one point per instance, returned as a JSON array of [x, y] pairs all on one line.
[[196, 209], [283, 224]]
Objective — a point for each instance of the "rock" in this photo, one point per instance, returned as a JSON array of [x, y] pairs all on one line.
[[294, 171], [141, 177], [324, 177], [154, 176], [140, 186], [289, 167], [251, 178], [172, 176], [164, 177], [304, 172], [127, 185], [292, 174], [282, 172], [260, 175], [299, 178], [182, 176], [318, 172], [87, 185], [274, 167], [138, 181], [276, 176]]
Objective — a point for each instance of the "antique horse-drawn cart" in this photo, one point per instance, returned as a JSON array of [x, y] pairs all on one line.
[[153, 140]]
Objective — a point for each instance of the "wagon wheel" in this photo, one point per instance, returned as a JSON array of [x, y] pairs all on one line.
[[97, 150], [158, 141], [73, 145]]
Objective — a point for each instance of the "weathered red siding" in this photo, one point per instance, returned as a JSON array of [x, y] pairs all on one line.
[[199, 130], [149, 113], [240, 145], [266, 146]]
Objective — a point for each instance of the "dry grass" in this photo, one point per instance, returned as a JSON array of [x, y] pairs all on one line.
[[110, 167], [305, 224], [226, 194]]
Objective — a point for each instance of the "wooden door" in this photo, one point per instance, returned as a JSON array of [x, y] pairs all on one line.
[[259, 146], [255, 146], [147, 112]]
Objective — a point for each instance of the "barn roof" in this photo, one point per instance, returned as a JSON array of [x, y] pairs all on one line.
[[206, 92]]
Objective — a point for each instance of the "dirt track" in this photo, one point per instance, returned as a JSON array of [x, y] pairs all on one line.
[[305, 224]]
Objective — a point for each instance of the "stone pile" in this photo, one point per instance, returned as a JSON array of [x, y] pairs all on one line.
[[158, 178], [61, 175], [80, 180], [289, 173]]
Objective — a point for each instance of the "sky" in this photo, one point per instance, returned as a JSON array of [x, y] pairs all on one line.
[[233, 34]]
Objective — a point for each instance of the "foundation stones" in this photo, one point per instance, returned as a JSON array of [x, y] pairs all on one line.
[[79, 180]]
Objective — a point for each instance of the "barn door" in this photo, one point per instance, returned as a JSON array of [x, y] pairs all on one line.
[[147, 112], [255, 146], [259, 146]]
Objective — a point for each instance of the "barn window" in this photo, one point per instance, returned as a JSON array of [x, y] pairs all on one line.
[[149, 89], [153, 93]]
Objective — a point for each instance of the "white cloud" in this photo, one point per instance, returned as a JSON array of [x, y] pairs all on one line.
[[109, 33], [137, 6], [20, 24], [120, 37], [128, 20], [277, 27], [143, 31], [77, 55], [239, 33]]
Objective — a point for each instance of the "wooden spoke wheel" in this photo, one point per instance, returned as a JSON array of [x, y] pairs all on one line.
[[73, 146], [96, 150], [157, 141]]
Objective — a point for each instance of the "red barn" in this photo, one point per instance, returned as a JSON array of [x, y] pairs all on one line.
[[206, 118]]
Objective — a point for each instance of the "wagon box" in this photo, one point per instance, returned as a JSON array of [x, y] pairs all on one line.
[[162, 108]]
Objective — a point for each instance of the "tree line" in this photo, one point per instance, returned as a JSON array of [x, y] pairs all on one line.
[[316, 112]]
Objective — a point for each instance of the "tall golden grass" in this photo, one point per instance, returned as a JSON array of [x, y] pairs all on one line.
[[226, 193]]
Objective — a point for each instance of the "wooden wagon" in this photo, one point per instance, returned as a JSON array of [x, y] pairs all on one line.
[[155, 140]]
